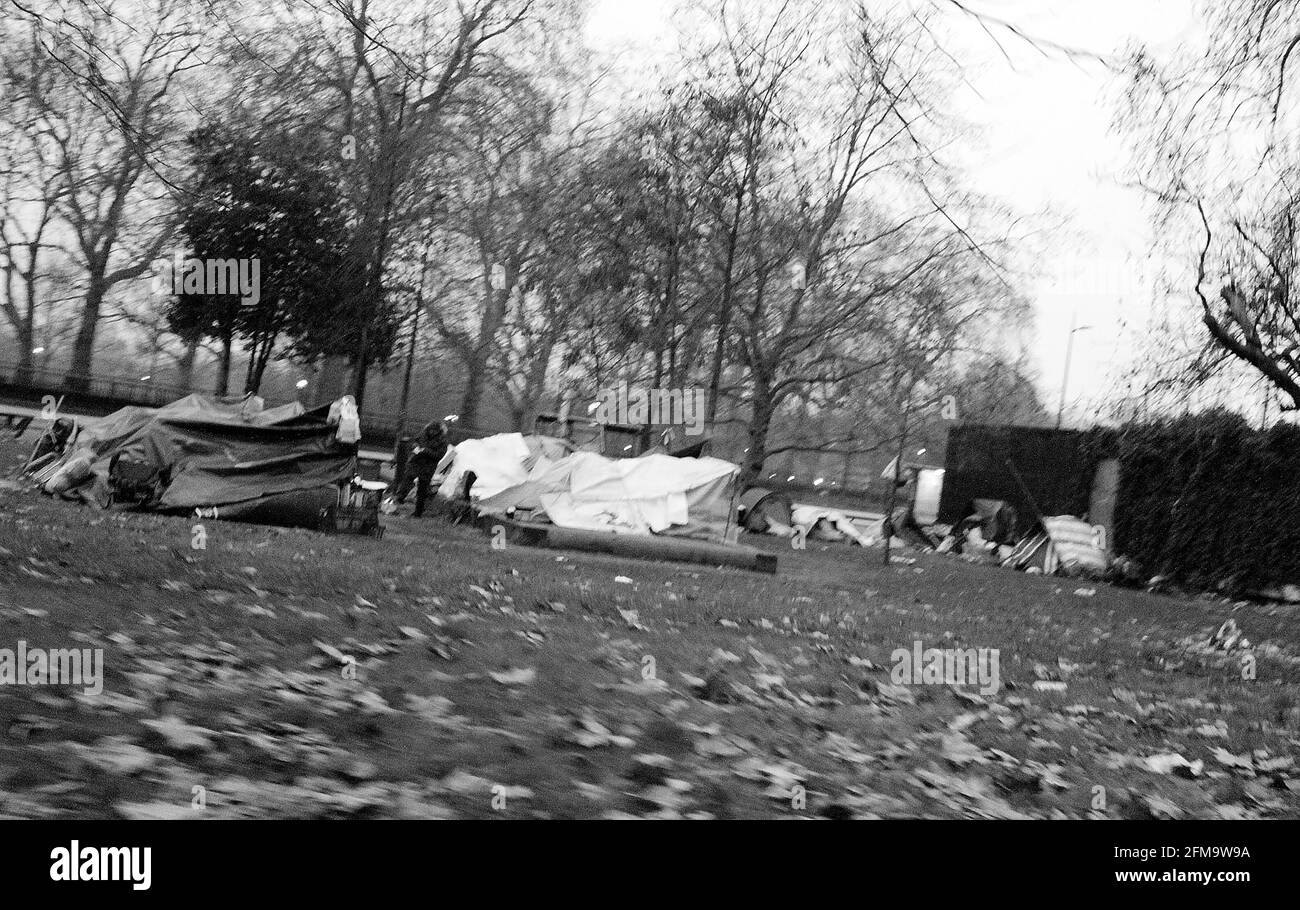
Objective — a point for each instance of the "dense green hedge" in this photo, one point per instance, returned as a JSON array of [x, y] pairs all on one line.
[[1206, 499]]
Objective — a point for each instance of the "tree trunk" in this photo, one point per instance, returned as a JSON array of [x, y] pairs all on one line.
[[892, 503], [257, 364], [223, 368], [360, 358], [473, 391], [26, 329], [332, 379], [83, 349], [416, 309], [185, 366], [405, 401], [534, 385], [251, 367], [760, 421], [476, 363], [888, 528], [26, 360], [724, 320], [360, 373]]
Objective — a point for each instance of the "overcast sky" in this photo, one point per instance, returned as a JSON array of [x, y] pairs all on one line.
[[1047, 146]]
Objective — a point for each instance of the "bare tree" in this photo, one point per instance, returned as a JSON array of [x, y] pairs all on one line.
[[1211, 130], [29, 192], [103, 123], [401, 77], [826, 112]]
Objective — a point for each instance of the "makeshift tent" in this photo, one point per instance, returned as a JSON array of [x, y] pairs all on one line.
[[275, 465], [527, 477], [762, 510]]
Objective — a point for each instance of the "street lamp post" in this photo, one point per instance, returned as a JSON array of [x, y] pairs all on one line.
[[1065, 379]]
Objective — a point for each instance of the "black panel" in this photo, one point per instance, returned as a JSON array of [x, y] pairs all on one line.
[[1050, 463]]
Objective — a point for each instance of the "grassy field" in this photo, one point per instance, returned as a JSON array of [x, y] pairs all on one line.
[[291, 674]]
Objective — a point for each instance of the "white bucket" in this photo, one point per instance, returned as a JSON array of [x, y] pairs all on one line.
[[929, 484]]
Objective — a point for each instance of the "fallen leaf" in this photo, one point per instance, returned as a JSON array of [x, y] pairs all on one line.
[[515, 677], [1173, 763], [179, 735]]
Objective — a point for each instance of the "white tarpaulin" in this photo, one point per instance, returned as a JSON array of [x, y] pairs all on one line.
[[639, 495], [497, 462], [655, 493]]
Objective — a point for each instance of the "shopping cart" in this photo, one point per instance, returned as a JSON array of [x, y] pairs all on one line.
[[357, 508]]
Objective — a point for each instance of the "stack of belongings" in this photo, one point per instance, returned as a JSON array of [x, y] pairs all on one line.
[[830, 525], [1064, 545], [986, 532], [763, 511], [234, 460], [49, 450], [536, 478]]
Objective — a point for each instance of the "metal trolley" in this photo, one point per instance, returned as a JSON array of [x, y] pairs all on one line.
[[357, 508]]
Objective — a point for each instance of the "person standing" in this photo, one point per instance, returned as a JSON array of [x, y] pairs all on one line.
[[423, 464]]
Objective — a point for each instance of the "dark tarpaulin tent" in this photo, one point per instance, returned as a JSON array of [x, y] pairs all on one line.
[[759, 505], [278, 465]]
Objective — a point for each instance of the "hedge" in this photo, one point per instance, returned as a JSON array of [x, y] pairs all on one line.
[[1206, 500]]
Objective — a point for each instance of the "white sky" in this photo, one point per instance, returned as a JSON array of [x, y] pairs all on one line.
[[1047, 146]]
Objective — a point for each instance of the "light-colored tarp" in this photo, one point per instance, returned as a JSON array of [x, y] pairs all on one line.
[[653, 494], [1066, 546], [827, 524], [1075, 543], [497, 463]]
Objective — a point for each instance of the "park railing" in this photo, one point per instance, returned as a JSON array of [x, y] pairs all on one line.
[[44, 380], [97, 394]]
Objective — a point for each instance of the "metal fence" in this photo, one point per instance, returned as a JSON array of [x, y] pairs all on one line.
[[95, 392], [115, 388]]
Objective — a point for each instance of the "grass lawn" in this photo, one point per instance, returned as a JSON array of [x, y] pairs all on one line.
[[287, 673]]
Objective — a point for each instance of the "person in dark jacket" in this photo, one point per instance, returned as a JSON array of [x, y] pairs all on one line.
[[423, 462]]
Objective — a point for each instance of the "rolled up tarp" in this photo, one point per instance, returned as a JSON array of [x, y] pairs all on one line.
[[659, 547]]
